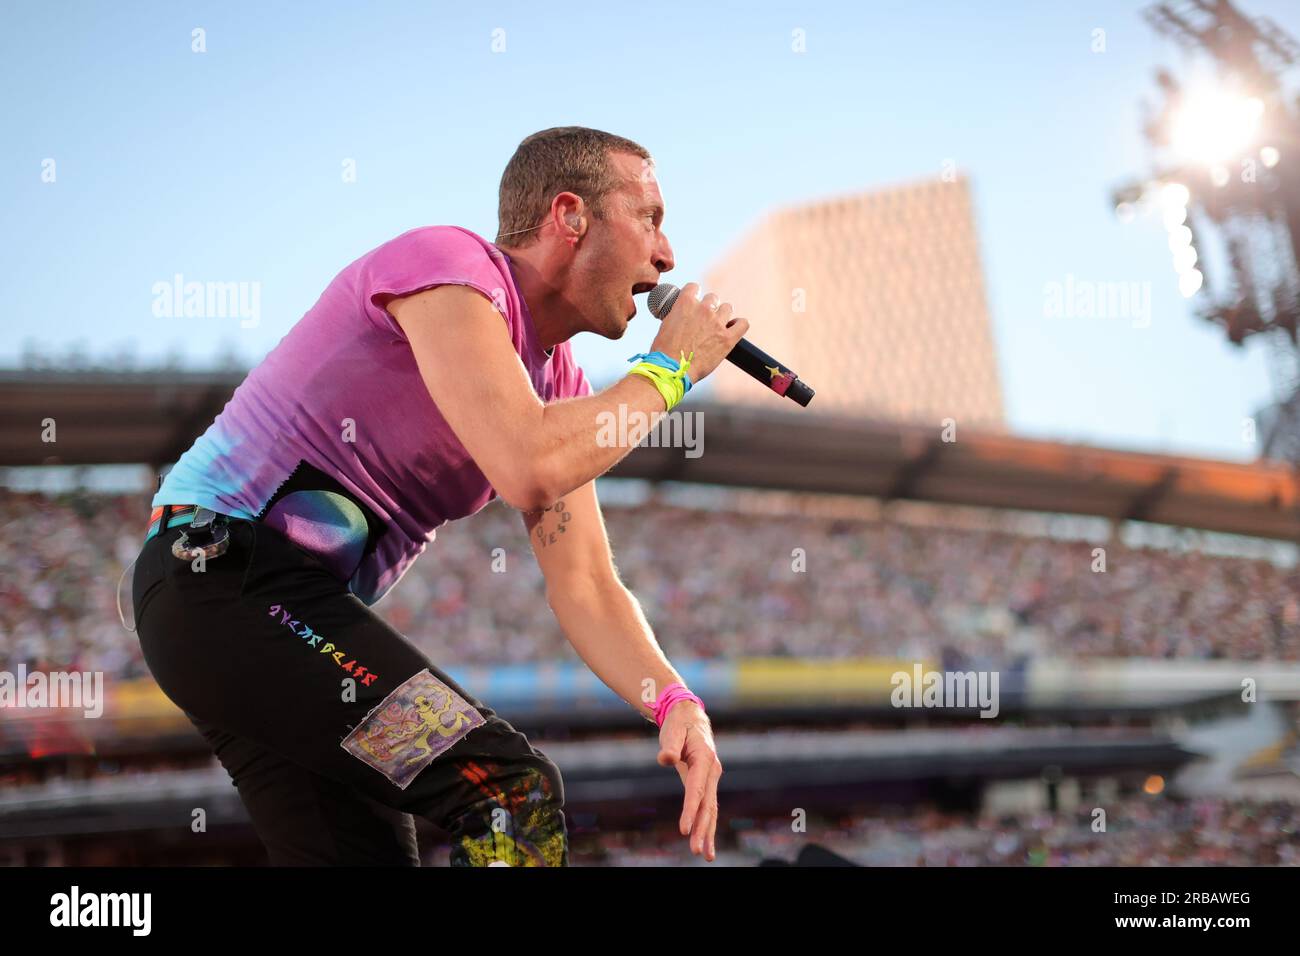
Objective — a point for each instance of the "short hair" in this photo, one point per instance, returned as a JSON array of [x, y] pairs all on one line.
[[561, 159]]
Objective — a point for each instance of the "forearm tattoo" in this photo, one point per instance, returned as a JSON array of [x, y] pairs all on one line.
[[550, 524]]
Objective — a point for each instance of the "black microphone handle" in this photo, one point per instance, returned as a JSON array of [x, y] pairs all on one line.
[[747, 357]]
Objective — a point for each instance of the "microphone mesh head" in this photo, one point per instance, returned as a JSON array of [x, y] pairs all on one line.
[[661, 298]]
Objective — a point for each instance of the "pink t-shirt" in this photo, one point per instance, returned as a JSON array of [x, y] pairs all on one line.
[[333, 438]]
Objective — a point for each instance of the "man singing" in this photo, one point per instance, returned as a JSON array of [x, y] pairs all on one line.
[[433, 375]]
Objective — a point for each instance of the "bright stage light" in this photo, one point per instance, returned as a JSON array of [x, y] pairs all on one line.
[[1190, 282], [1179, 237], [1219, 175], [1215, 127], [1184, 259], [1174, 194], [1269, 156]]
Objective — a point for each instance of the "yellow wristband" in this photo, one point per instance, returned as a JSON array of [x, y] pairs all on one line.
[[672, 385], [671, 389]]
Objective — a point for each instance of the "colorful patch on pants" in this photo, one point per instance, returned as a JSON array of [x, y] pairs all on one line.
[[522, 825], [412, 725]]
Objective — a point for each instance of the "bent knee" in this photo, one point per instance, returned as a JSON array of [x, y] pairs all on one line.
[[517, 821]]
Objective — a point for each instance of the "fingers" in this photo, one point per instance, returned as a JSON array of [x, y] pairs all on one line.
[[704, 328], [697, 780], [700, 828], [703, 836], [691, 293], [714, 777], [695, 758], [701, 804]]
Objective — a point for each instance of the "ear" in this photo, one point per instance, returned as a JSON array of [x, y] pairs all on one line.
[[571, 207]]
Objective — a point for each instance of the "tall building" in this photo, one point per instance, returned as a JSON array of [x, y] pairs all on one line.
[[876, 300]]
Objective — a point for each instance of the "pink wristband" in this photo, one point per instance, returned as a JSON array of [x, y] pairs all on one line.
[[669, 696]]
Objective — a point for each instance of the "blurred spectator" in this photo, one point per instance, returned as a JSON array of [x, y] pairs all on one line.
[[725, 588], [1139, 832]]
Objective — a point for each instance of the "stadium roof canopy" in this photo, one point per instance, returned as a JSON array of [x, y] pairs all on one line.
[[152, 417]]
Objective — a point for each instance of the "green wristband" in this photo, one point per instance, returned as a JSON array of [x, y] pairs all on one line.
[[668, 383]]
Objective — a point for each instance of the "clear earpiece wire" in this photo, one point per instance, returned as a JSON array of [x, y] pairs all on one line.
[[118, 596]]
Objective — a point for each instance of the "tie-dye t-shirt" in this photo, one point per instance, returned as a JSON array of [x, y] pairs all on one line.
[[333, 438]]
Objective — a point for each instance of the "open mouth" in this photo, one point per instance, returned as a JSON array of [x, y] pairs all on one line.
[[637, 289]]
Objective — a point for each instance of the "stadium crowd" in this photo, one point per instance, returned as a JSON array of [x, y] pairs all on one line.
[[1139, 832], [713, 584]]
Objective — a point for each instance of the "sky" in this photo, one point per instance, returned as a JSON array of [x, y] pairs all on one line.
[[280, 142]]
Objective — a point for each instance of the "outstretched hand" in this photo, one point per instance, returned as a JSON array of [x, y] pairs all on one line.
[[686, 742]]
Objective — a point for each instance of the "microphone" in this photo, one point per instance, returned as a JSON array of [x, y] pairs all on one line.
[[746, 357]]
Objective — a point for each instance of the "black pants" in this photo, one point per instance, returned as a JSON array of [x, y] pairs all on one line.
[[333, 727]]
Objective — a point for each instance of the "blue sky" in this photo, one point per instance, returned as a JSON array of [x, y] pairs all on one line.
[[227, 165]]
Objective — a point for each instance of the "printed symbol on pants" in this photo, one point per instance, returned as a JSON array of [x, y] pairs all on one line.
[[312, 638], [410, 727]]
